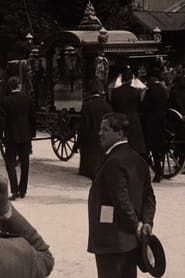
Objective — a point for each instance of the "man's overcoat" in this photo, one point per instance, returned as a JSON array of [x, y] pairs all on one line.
[[19, 118], [154, 107], [123, 183], [91, 152]]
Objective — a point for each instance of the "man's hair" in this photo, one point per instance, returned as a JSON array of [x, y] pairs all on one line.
[[13, 82], [126, 73], [117, 121]]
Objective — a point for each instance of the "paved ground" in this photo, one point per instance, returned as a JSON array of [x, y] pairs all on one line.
[[57, 206]]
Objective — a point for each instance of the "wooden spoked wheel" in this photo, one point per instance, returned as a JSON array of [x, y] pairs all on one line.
[[2, 149], [172, 162], [63, 146]]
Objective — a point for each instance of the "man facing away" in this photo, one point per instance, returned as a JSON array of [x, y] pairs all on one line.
[[24, 253], [121, 202], [18, 118]]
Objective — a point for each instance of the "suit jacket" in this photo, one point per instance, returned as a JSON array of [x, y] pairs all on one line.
[[91, 152], [126, 99], [154, 107], [18, 116], [25, 255], [123, 182]]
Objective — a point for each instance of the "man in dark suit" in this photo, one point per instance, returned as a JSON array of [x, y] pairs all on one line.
[[18, 117], [24, 253], [121, 202], [154, 108]]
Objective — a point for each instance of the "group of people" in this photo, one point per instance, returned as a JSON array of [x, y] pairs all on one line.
[[114, 139], [146, 109], [121, 203]]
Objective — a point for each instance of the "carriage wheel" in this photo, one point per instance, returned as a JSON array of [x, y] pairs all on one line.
[[172, 162], [2, 149], [63, 147], [173, 157]]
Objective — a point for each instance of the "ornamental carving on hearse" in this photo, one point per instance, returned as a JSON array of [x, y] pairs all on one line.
[[90, 21]]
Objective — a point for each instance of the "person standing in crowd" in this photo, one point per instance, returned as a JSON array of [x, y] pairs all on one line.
[[18, 117], [121, 202], [177, 95], [91, 152], [127, 99], [23, 251], [154, 108]]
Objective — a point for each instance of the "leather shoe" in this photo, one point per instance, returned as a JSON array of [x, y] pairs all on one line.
[[22, 196], [14, 196]]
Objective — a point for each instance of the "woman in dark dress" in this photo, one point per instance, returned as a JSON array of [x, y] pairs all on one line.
[[154, 108], [92, 112], [127, 99]]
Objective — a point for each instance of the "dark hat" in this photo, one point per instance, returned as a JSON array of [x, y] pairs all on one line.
[[13, 82], [151, 257], [126, 73], [154, 72]]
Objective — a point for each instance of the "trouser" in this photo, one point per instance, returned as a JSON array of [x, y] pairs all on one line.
[[22, 150], [120, 265], [25, 254], [157, 162]]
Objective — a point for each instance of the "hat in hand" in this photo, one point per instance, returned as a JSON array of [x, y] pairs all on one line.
[[151, 257]]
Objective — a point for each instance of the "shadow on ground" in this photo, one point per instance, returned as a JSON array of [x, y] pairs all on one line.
[[53, 200], [53, 173]]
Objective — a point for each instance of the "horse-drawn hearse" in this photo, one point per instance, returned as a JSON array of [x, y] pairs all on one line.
[[61, 68]]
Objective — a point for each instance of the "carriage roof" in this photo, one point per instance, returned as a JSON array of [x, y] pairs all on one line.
[[118, 42]]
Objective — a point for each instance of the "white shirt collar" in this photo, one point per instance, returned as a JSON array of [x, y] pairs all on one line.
[[116, 144]]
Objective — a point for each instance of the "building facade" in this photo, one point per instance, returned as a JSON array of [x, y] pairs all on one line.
[[159, 5]]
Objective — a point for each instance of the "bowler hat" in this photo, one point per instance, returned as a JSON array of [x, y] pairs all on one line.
[[151, 257]]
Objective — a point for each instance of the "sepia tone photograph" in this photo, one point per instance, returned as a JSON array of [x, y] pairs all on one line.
[[92, 138]]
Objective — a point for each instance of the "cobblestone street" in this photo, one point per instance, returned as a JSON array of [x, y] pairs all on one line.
[[56, 205]]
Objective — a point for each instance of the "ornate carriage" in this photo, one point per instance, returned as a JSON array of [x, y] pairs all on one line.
[[65, 62]]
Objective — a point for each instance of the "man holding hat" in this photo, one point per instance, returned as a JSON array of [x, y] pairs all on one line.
[[121, 202], [24, 254]]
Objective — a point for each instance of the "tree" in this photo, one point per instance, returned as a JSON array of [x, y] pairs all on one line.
[[115, 14], [18, 17]]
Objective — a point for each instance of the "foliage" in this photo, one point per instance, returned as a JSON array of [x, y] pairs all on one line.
[[18, 17], [115, 14]]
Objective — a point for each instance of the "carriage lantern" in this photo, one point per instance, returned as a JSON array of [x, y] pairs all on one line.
[[29, 38], [70, 56], [157, 34], [102, 70], [102, 36], [35, 60]]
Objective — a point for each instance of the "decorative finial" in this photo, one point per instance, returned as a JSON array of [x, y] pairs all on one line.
[[103, 36], [90, 21]]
